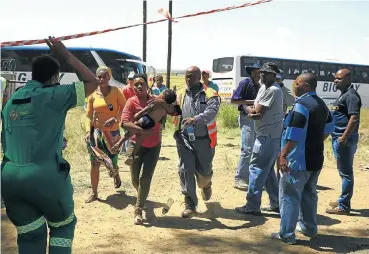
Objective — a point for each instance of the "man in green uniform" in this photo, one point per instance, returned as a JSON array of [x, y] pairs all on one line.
[[36, 185]]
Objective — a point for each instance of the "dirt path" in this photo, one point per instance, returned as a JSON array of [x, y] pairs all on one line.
[[107, 226]]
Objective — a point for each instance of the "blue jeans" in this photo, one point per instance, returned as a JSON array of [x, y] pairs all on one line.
[[344, 154], [247, 142], [264, 154], [298, 202]]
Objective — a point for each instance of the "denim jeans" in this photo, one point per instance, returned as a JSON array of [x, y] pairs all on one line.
[[344, 154], [264, 154], [247, 142], [298, 202]]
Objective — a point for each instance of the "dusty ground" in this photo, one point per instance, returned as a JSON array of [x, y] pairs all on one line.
[[106, 226]]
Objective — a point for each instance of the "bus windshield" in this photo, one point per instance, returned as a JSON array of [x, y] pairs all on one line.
[[224, 64], [119, 67]]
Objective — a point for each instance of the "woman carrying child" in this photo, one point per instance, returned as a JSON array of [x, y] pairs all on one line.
[[150, 144]]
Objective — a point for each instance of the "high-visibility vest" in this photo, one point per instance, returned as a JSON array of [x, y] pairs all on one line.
[[211, 126]]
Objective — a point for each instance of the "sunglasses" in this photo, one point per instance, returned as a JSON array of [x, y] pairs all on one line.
[[139, 84]]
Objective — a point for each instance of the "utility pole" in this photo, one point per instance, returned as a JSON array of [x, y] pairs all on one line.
[[169, 59], [144, 41]]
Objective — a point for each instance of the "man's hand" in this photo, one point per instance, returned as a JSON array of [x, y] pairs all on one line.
[[255, 116], [342, 141], [110, 122], [189, 121], [57, 48], [283, 165]]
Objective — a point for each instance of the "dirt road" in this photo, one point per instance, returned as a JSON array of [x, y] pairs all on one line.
[[106, 226]]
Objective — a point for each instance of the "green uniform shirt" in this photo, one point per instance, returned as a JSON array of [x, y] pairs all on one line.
[[33, 122]]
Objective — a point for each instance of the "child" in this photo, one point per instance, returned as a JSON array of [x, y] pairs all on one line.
[[148, 117]]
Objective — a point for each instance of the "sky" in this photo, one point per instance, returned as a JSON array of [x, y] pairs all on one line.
[[311, 30]]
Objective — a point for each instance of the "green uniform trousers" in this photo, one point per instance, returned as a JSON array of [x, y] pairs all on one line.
[[37, 196]]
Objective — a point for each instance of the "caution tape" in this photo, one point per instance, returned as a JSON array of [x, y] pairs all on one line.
[[80, 35]]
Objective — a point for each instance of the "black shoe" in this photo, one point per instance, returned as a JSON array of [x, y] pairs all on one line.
[[271, 209], [245, 210]]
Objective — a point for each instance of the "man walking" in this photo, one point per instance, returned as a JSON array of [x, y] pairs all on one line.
[[345, 138], [196, 137], [245, 95], [268, 110], [306, 127]]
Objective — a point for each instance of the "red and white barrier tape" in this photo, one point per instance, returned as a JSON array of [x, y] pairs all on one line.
[[167, 15]]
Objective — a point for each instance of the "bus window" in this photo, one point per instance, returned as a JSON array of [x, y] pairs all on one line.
[[361, 75], [268, 60], [291, 69], [23, 58], [120, 68], [224, 64], [87, 59], [327, 72], [247, 61], [310, 67]]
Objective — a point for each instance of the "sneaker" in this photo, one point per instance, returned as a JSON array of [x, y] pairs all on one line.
[[290, 241], [138, 216], [271, 209], [337, 210], [241, 184], [299, 230], [206, 192], [190, 209], [245, 210]]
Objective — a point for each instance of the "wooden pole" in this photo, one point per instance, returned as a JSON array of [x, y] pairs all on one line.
[[144, 41], [169, 59]]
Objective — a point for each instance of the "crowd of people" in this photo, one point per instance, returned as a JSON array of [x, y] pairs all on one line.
[[36, 184]]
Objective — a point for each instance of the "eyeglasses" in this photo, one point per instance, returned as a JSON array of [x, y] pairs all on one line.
[[139, 84]]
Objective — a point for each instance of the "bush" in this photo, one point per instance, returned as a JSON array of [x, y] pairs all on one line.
[[228, 116]]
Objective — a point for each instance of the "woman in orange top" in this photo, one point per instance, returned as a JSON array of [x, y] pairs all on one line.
[[104, 109]]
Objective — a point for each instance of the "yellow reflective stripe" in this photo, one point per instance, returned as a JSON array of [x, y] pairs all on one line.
[[60, 242], [62, 223], [32, 226], [80, 92]]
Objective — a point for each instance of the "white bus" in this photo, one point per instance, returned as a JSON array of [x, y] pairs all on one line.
[[229, 71], [19, 61]]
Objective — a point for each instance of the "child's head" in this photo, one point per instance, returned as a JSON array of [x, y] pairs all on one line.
[[169, 96]]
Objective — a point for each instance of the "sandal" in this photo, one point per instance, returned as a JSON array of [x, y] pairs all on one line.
[[91, 198]]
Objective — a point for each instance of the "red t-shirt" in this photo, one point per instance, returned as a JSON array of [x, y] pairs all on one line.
[[128, 92], [132, 107]]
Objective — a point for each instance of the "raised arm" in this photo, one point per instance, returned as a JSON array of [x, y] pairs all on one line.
[[84, 74]]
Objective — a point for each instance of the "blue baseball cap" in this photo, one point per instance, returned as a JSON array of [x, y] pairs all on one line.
[[255, 66], [280, 74]]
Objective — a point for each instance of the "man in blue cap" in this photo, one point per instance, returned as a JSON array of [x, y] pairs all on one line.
[[245, 95]]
